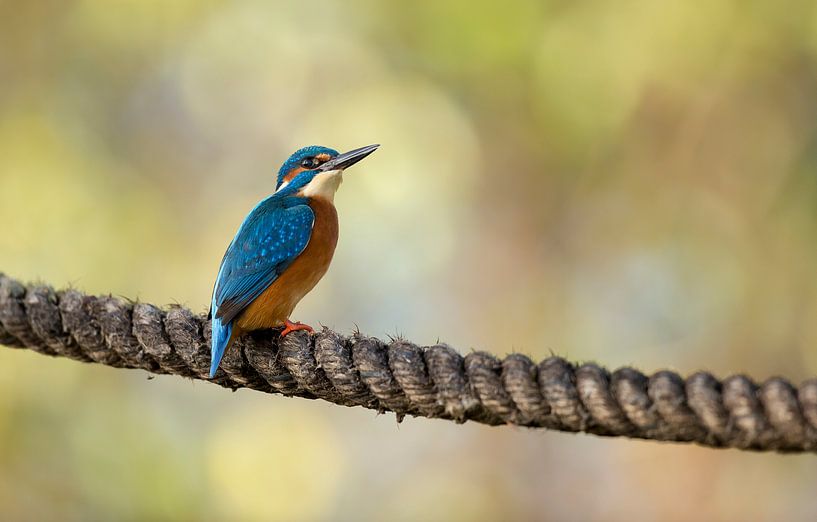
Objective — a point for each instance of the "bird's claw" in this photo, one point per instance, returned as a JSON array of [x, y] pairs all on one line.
[[290, 327]]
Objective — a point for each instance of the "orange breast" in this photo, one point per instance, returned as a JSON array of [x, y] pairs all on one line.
[[276, 303]]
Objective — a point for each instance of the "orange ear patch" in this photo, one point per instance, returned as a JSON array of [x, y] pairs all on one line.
[[292, 173]]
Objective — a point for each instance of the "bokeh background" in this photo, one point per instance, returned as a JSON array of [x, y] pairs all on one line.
[[628, 182]]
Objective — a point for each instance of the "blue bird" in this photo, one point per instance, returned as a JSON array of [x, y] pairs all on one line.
[[281, 250]]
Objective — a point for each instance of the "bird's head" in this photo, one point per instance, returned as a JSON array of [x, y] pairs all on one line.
[[318, 171]]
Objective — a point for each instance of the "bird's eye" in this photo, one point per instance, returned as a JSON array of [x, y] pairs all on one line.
[[310, 163]]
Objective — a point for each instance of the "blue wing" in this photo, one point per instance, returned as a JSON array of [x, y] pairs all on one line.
[[274, 233], [269, 240]]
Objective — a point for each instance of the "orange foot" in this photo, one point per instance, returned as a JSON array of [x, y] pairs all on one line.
[[290, 327]]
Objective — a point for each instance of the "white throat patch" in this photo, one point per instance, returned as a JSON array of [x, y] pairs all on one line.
[[323, 185]]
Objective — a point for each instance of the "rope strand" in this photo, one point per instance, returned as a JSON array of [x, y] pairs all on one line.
[[401, 377]]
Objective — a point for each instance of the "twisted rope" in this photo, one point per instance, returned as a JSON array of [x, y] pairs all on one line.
[[432, 381]]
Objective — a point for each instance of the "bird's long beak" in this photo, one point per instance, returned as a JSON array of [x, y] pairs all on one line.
[[347, 159]]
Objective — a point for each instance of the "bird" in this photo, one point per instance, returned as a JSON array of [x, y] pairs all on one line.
[[281, 250]]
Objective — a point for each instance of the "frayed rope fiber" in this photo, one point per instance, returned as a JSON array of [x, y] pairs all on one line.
[[431, 381]]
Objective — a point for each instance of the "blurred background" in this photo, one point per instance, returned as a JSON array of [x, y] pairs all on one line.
[[632, 183]]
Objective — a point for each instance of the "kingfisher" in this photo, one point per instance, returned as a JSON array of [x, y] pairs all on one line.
[[281, 250]]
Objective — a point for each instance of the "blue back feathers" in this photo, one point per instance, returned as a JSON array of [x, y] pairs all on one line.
[[299, 155], [271, 237]]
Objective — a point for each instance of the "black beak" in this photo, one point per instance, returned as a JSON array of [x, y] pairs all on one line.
[[347, 159]]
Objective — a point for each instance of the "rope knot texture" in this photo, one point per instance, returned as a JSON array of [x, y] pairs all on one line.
[[424, 381]]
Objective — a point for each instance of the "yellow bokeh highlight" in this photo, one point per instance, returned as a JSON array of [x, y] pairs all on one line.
[[264, 469]]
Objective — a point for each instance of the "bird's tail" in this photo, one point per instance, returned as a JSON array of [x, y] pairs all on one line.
[[221, 340]]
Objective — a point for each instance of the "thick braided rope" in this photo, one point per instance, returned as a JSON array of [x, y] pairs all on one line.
[[432, 381]]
